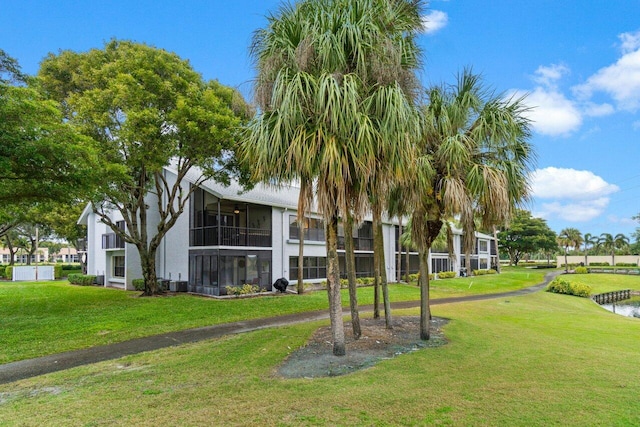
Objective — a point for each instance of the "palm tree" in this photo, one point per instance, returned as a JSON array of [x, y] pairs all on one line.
[[610, 243], [589, 239], [474, 158], [569, 237], [331, 105]]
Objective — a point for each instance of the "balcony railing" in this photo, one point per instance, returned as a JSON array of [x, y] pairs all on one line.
[[359, 243], [229, 236], [112, 241]]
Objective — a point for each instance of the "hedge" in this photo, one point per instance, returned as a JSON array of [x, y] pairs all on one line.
[[81, 279]]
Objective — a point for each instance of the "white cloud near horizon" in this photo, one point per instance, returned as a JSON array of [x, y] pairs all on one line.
[[570, 194], [434, 21]]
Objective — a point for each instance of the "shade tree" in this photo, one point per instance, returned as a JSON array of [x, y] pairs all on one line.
[[147, 110]]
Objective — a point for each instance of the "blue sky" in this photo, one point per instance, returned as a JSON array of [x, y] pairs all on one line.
[[578, 61]]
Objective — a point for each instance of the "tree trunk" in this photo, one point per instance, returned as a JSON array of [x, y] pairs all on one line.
[[376, 286], [495, 242], [148, 264], [333, 288], [350, 261], [399, 249], [302, 207], [425, 309], [378, 242], [407, 259]]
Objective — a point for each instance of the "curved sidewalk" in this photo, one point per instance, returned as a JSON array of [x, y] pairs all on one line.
[[57, 362]]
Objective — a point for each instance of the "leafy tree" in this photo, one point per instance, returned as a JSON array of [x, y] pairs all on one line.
[[331, 102], [524, 235], [473, 160], [636, 233], [147, 109], [610, 243], [42, 158]]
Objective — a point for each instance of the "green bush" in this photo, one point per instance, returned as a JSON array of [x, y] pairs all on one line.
[[581, 270], [560, 285], [626, 264], [57, 271], [138, 284], [245, 289], [599, 264], [8, 272], [2, 267], [446, 274], [414, 277], [81, 279], [483, 272], [71, 267]]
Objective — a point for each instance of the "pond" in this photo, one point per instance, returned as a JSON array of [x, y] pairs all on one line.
[[628, 307]]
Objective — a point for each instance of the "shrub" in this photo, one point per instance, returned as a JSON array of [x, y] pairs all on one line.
[[414, 277], [561, 285], [245, 289], [483, 272], [626, 264], [71, 266], [81, 279], [446, 274], [8, 272], [581, 270], [2, 267], [138, 284], [599, 264], [57, 271]]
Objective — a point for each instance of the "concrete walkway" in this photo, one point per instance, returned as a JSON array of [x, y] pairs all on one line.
[[57, 362]]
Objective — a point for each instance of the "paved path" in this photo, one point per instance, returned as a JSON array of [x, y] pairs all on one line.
[[57, 362]]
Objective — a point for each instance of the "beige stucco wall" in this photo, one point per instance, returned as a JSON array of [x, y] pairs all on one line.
[[619, 259]]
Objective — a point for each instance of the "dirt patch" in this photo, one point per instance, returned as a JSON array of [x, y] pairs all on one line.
[[316, 358]]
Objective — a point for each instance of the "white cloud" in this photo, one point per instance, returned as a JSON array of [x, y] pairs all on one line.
[[571, 194], [630, 42], [434, 21], [552, 113], [577, 211], [549, 76], [597, 110], [620, 80]]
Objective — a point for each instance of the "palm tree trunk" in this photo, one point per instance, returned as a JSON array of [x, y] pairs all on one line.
[[425, 309], [350, 261], [378, 241], [333, 288], [407, 258], [376, 285], [495, 242], [399, 249], [302, 205]]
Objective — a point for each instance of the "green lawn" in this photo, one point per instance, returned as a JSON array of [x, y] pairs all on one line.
[[536, 360], [79, 317]]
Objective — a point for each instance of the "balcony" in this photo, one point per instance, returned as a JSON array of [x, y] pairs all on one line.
[[359, 243], [112, 241], [230, 236]]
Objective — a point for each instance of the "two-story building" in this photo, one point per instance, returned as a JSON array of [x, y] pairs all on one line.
[[230, 237]]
